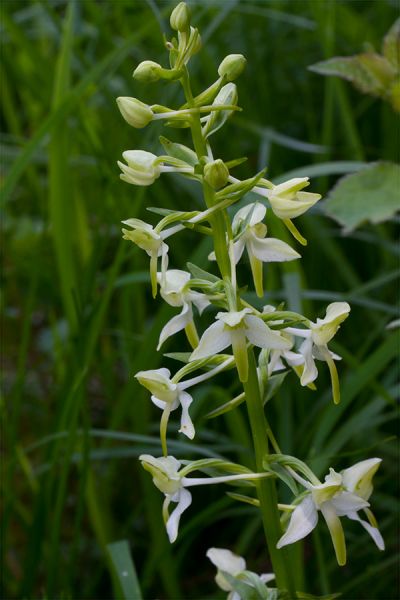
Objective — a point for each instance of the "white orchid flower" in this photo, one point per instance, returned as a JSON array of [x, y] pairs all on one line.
[[175, 289], [143, 167], [172, 481], [342, 495], [287, 200], [169, 394], [315, 344], [235, 328], [247, 223], [149, 239], [228, 562]]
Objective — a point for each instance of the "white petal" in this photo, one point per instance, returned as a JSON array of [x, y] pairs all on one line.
[[271, 249], [227, 561], [373, 531], [233, 318], [303, 520], [184, 500], [254, 213], [310, 371], [213, 340], [159, 375], [159, 403], [293, 359], [259, 334], [174, 281], [186, 422], [199, 300], [290, 209], [324, 329], [291, 185], [358, 477], [266, 577], [139, 224], [238, 248], [175, 324], [346, 502]]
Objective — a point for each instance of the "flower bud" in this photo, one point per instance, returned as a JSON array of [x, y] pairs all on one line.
[[140, 168], [232, 66], [147, 71], [135, 113], [180, 17], [216, 174]]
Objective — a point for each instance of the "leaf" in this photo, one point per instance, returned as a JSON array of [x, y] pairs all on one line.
[[201, 274], [273, 385], [368, 72], [179, 151], [370, 195], [391, 45], [124, 570]]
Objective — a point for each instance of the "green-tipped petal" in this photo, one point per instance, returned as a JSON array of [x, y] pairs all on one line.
[[336, 532]]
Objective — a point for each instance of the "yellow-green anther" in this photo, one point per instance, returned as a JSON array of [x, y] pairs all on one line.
[[135, 112], [147, 71], [180, 17], [232, 66], [216, 174]]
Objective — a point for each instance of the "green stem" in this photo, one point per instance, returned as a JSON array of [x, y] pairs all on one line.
[[217, 221], [266, 488]]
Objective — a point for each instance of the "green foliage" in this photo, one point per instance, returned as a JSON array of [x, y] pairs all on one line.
[[124, 570], [71, 480], [371, 73], [371, 195]]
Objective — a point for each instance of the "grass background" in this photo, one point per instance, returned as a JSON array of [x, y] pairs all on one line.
[[79, 321]]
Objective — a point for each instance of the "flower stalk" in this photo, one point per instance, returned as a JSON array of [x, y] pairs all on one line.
[[284, 340]]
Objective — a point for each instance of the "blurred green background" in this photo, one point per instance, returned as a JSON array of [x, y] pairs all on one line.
[[79, 320]]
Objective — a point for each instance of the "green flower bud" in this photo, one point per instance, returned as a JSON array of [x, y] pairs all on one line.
[[147, 71], [216, 174], [135, 113], [232, 66], [180, 17]]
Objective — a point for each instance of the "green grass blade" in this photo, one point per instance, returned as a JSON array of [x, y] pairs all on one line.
[[124, 570]]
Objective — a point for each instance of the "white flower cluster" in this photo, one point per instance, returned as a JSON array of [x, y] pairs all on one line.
[[287, 340]]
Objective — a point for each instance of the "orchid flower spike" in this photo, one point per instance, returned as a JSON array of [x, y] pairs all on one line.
[[175, 289], [235, 328], [170, 479], [147, 238], [247, 225], [315, 344], [341, 495], [229, 563]]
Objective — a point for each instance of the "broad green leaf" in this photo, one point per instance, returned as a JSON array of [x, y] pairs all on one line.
[[124, 570], [391, 45], [369, 72], [371, 195]]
